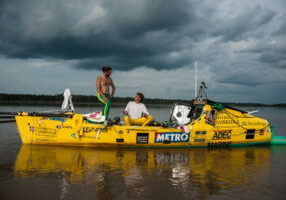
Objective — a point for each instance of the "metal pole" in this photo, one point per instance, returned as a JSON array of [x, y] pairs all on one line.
[[196, 66]]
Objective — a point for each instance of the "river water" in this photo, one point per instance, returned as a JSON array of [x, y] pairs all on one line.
[[48, 172]]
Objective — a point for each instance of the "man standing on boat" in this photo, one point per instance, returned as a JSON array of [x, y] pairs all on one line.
[[103, 83], [136, 112]]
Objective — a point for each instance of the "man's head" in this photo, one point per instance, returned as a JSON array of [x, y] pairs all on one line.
[[139, 97], [107, 70]]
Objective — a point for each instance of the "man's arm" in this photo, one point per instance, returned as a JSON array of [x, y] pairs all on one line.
[[113, 88], [145, 111], [98, 87], [125, 112]]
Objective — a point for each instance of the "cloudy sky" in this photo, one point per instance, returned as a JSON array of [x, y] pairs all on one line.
[[49, 45]]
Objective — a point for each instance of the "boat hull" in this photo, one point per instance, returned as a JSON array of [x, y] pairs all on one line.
[[78, 132]]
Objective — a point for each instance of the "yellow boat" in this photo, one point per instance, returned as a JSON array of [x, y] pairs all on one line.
[[208, 124], [203, 123]]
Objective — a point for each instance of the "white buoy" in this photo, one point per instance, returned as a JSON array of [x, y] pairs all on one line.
[[67, 103]]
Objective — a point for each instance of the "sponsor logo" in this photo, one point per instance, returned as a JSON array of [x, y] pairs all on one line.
[[222, 135], [201, 132], [219, 144], [199, 140], [66, 126], [42, 131], [85, 130], [31, 129], [44, 118], [243, 124], [89, 129], [173, 137], [58, 119], [142, 138]]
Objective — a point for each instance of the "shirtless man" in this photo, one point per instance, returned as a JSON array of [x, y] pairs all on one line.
[[103, 83]]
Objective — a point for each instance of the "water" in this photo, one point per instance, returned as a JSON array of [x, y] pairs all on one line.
[[48, 172]]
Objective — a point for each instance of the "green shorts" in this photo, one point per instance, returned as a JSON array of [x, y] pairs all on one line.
[[106, 104]]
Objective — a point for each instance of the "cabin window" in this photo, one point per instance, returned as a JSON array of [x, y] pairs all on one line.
[[195, 112], [250, 133]]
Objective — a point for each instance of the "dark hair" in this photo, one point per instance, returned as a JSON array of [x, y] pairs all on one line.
[[106, 69], [140, 95]]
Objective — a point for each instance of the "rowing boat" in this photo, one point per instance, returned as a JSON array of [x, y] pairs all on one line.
[[209, 125], [202, 123]]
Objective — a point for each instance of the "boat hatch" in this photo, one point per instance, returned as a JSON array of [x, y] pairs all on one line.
[[179, 114], [250, 134], [182, 114]]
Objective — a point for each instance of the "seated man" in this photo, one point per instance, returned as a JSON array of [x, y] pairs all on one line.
[[136, 112]]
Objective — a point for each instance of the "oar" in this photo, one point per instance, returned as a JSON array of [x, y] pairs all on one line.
[[13, 114], [50, 115], [8, 113], [7, 121], [38, 114], [5, 117], [108, 124]]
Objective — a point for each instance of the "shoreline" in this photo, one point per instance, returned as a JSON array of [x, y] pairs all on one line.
[[92, 101], [79, 104], [120, 104]]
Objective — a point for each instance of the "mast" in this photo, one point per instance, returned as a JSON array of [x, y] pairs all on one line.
[[196, 66], [201, 97]]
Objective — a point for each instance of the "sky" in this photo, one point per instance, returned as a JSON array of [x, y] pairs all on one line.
[[240, 46]]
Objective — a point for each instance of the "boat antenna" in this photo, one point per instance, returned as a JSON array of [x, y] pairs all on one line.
[[201, 97], [196, 76], [202, 94]]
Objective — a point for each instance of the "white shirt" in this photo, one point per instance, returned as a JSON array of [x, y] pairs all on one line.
[[135, 110]]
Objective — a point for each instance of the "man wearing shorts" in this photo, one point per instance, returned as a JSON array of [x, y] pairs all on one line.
[[103, 83]]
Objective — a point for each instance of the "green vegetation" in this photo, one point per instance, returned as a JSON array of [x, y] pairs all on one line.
[[78, 100], [84, 100]]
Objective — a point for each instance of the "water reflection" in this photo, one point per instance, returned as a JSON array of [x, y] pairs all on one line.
[[143, 173]]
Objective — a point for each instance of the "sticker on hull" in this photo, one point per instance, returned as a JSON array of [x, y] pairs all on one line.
[[222, 135], [142, 138], [172, 137]]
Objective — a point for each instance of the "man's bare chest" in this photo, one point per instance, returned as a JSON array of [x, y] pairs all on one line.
[[105, 82]]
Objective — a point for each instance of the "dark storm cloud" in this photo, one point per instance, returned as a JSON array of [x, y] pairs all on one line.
[[274, 53], [129, 63], [271, 51], [282, 29], [274, 58], [243, 79], [133, 21], [161, 34], [244, 25], [129, 34]]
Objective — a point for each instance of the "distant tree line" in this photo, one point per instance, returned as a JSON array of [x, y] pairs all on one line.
[[85, 100], [29, 99]]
